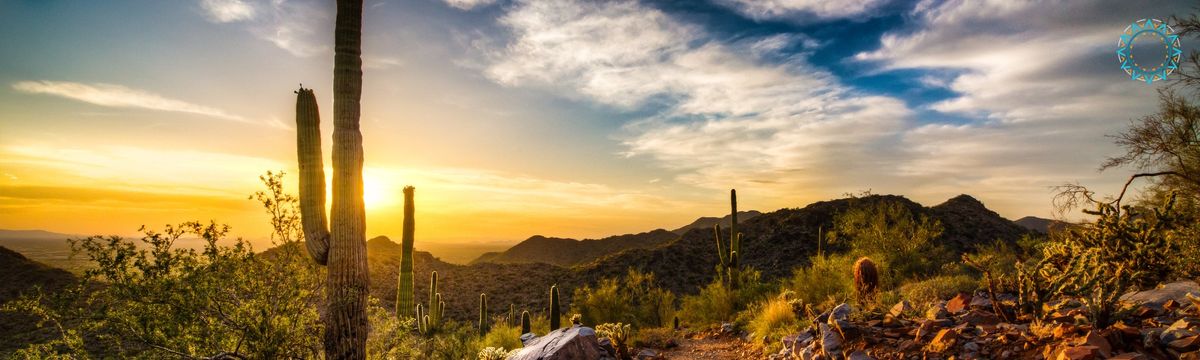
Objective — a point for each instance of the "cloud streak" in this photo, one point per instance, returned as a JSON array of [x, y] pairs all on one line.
[[117, 96], [224, 11], [804, 10], [295, 26]]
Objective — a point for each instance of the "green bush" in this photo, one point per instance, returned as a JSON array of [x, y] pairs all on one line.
[[889, 233], [634, 299], [657, 338], [827, 281], [774, 319], [937, 288], [502, 335], [717, 302]]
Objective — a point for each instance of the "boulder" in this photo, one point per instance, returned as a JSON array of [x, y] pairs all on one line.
[[937, 312], [1085, 352], [959, 303], [1176, 291], [576, 342]]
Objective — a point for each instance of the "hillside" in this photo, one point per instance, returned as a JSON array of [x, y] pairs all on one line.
[[1041, 225], [707, 222], [19, 274], [569, 252]]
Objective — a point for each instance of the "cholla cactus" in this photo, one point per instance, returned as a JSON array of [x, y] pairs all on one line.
[[618, 333], [493, 353]]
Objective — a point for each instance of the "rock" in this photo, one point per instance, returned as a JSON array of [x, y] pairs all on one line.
[[527, 336], [796, 341], [1085, 352], [831, 342], [727, 328], [958, 303], [937, 312], [980, 301], [1094, 339], [1128, 356], [576, 342], [1178, 330], [1174, 291], [971, 347], [976, 317], [943, 341], [646, 354], [840, 312], [1186, 344], [900, 309], [859, 355]]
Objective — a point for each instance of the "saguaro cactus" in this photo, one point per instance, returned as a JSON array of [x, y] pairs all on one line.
[[727, 269], [512, 315], [555, 316], [526, 326], [339, 244], [483, 318], [404, 286]]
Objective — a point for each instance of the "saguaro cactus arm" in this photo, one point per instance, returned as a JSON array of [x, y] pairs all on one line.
[[312, 176]]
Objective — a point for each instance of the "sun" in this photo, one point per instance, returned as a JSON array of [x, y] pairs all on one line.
[[376, 191]]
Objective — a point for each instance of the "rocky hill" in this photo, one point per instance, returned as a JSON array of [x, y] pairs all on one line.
[[707, 222], [18, 275], [569, 252]]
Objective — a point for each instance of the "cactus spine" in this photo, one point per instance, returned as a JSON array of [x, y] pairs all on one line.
[[404, 289], [483, 320], [526, 326], [555, 316], [341, 243], [729, 266]]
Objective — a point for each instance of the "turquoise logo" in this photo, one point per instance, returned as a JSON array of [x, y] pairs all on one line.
[[1149, 32]]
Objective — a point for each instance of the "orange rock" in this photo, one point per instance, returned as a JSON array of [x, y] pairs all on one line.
[[1128, 356], [1085, 352], [1094, 339], [943, 340], [958, 303]]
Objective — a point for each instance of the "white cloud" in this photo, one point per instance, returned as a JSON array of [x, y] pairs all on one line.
[[1042, 80], [300, 27], [110, 95], [801, 9], [730, 118], [469, 4], [224, 11]]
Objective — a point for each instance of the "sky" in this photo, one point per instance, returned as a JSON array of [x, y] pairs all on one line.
[[566, 118]]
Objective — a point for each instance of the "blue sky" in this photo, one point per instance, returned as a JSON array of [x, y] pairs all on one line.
[[564, 117]]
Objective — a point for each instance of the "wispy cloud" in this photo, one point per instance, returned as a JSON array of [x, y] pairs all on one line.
[[728, 117], [224, 11], [801, 9], [296, 26], [110, 95], [469, 4]]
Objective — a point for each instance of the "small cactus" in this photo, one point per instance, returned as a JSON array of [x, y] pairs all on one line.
[[676, 322], [866, 280], [618, 334], [555, 315], [526, 326], [512, 316]]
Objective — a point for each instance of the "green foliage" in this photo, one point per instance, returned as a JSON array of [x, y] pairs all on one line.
[[774, 319], [937, 288], [635, 299], [718, 302], [890, 233], [502, 335], [1124, 249], [148, 299], [391, 337], [493, 353], [618, 334], [657, 338], [826, 282]]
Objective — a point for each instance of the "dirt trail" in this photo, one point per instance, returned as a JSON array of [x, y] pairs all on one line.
[[712, 348]]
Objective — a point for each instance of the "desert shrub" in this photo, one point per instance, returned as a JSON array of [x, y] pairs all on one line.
[[634, 299], [148, 298], [889, 233], [827, 281], [657, 338], [718, 302], [493, 353], [774, 319], [937, 288], [390, 337], [502, 335]]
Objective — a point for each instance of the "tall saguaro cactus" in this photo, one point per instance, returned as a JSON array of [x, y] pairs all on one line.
[[483, 317], [727, 269], [341, 244], [404, 287]]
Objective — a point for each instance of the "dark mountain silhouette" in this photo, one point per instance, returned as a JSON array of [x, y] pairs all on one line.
[[1041, 225], [969, 223], [33, 235], [18, 275], [569, 252], [707, 222]]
